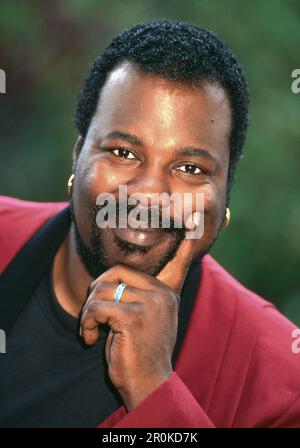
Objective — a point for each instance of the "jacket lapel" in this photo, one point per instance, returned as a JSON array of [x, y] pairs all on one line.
[[24, 272]]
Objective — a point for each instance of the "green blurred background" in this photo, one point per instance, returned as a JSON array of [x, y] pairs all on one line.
[[45, 48]]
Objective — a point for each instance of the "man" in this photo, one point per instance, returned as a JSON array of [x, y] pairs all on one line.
[[135, 327]]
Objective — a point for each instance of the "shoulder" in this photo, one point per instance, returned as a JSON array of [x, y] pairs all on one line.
[[18, 207], [226, 289], [262, 337], [19, 220]]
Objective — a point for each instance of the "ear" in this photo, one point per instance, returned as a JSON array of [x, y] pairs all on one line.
[[76, 150]]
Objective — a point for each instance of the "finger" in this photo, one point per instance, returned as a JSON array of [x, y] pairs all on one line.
[[116, 315], [121, 273], [108, 345], [107, 290], [174, 272]]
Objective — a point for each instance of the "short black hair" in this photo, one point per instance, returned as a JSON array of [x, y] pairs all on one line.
[[179, 52]]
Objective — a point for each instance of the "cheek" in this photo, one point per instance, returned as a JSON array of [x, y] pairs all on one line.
[[85, 175], [207, 197], [213, 201], [96, 176], [88, 183]]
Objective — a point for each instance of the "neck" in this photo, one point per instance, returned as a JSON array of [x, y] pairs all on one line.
[[70, 280]]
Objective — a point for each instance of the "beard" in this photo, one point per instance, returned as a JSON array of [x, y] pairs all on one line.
[[95, 259]]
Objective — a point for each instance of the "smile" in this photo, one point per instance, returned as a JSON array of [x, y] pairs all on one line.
[[141, 237]]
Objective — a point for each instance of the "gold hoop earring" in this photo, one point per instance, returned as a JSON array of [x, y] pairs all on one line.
[[227, 218], [70, 183]]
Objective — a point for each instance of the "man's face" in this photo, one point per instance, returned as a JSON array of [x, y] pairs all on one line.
[[153, 136]]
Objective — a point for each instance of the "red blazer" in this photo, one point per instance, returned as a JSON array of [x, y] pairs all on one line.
[[236, 367]]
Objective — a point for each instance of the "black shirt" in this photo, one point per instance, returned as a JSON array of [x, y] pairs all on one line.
[[48, 377]]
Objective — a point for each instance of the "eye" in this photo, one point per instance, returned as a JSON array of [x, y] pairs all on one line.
[[190, 169], [123, 153]]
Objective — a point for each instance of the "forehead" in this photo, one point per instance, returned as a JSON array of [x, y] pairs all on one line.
[[163, 111]]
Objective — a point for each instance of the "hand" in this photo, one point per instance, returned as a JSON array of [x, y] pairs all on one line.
[[143, 325]]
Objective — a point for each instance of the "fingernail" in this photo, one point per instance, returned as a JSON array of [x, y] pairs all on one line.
[[189, 223], [196, 218]]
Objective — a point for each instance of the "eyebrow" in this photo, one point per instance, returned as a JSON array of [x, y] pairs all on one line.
[[186, 151], [129, 138], [196, 152]]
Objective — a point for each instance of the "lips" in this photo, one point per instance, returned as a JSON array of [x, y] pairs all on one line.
[[141, 237]]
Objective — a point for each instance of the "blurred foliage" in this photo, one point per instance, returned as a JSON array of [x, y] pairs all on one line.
[[45, 48]]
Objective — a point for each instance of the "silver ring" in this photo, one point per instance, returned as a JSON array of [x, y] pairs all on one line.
[[119, 292]]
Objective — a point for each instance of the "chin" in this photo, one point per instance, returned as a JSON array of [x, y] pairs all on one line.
[[141, 262], [139, 257]]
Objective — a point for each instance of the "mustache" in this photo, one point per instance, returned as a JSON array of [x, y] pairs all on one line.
[[148, 215]]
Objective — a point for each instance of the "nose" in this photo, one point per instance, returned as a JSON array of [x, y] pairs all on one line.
[[153, 190], [149, 184]]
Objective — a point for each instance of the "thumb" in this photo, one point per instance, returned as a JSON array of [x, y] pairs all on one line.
[[174, 272]]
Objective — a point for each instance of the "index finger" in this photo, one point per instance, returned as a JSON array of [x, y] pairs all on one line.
[[174, 272]]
